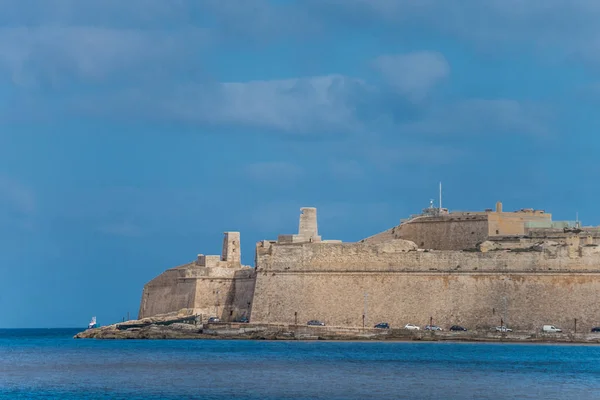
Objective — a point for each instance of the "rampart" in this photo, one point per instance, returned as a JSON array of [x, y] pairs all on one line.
[[440, 230], [476, 269], [217, 286], [339, 283]]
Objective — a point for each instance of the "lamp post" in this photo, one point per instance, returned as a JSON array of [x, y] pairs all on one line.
[[366, 298], [216, 303]]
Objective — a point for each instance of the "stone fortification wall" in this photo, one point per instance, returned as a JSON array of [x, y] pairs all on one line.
[[170, 291], [462, 230], [449, 232], [401, 255], [587, 235], [338, 283], [513, 223], [213, 285], [210, 291], [225, 297]]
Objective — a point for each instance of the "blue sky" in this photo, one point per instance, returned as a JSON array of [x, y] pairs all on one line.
[[132, 134]]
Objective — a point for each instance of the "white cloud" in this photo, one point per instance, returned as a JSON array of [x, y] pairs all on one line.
[[56, 41], [43, 54], [413, 74], [563, 28], [320, 104]]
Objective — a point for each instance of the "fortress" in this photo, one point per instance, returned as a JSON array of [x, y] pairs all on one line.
[[473, 269]]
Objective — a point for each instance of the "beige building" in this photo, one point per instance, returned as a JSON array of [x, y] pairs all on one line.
[[439, 229]]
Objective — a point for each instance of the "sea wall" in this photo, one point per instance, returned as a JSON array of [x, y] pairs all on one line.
[[227, 297], [391, 282], [208, 291], [171, 291]]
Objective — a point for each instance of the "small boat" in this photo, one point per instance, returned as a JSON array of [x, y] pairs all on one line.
[[92, 323]]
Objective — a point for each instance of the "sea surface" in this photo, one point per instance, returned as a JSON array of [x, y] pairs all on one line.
[[49, 364]]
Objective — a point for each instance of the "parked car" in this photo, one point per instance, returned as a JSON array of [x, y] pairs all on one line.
[[412, 327], [551, 329], [596, 329], [433, 328], [503, 329], [243, 320], [314, 322], [457, 328], [382, 325], [213, 319]]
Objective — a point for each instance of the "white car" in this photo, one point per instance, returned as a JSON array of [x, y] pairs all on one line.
[[503, 329], [551, 328], [412, 327]]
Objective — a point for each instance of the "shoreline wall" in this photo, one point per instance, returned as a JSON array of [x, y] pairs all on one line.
[[213, 292], [392, 282]]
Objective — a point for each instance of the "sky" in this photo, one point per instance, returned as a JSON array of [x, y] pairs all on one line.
[[134, 133]]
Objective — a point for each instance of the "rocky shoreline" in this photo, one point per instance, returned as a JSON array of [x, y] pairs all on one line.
[[177, 327]]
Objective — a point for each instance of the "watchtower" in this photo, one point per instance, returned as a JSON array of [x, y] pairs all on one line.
[[231, 249]]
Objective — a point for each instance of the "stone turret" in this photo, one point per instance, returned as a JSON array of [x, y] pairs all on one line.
[[308, 231], [230, 257], [308, 228], [231, 249]]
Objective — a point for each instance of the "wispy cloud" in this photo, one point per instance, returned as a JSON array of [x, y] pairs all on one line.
[[413, 74], [43, 55], [290, 105], [568, 27], [130, 67], [328, 104]]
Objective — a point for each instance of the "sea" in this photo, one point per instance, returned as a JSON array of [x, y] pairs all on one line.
[[50, 364]]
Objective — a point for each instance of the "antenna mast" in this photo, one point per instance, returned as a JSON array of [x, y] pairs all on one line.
[[440, 197]]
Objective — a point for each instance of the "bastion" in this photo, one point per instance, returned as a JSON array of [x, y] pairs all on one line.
[[211, 285], [475, 269]]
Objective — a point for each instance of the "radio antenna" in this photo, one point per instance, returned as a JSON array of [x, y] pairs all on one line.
[[440, 197]]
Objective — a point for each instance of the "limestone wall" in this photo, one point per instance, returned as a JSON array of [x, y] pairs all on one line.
[[170, 291], [442, 233], [338, 283], [513, 223], [226, 297], [212, 292], [399, 255]]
